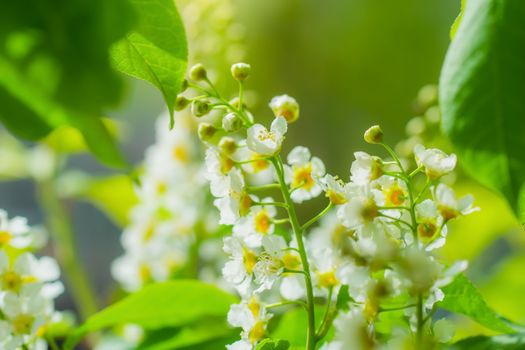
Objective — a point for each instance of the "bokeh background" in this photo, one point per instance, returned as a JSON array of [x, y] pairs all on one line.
[[350, 64]]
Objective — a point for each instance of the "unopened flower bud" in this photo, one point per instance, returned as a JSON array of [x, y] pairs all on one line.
[[199, 108], [285, 106], [374, 135], [198, 72], [231, 122], [240, 71], [206, 131], [181, 102], [227, 146]]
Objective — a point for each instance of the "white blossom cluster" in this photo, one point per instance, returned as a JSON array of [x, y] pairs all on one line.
[[28, 287], [171, 215], [374, 249]]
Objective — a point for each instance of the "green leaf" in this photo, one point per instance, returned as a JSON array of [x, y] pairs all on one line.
[[462, 297], [203, 331], [99, 140], [161, 305], [343, 298], [156, 51], [481, 96], [47, 71], [499, 342], [293, 325], [113, 195], [457, 21], [270, 344]]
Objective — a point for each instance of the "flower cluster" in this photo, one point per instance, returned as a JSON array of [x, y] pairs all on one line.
[[28, 287], [171, 217], [372, 253]]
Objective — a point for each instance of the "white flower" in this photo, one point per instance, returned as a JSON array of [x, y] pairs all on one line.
[[252, 317], [394, 191], [334, 189], [27, 272], [258, 223], [285, 106], [324, 267], [357, 278], [235, 202], [362, 207], [436, 162], [352, 332], [14, 232], [304, 174], [430, 224], [270, 264], [449, 206], [365, 168], [264, 142], [239, 269]]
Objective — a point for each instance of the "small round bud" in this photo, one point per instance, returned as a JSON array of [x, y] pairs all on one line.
[[227, 146], [231, 122], [206, 131], [198, 72], [241, 71], [285, 106], [199, 108], [181, 102], [374, 135]]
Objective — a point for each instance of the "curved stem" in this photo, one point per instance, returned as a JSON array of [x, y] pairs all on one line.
[[310, 335], [317, 217], [59, 225], [325, 324]]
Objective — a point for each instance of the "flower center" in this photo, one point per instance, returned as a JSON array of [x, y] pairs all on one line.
[[327, 279], [262, 222], [245, 203], [369, 210], [302, 177], [426, 230], [259, 164], [12, 281], [254, 307], [291, 261], [265, 135], [180, 153], [257, 332], [5, 237], [395, 195], [448, 213], [250, 259], [23, 323]]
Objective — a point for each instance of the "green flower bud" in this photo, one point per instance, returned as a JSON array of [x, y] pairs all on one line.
[[374, 135], [198, 72], [181, 102], [231, 122], [206, 131], [240, 71], [200, 108], [227, 146]]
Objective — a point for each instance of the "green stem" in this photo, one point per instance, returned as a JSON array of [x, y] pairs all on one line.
[[310, 335], [323, 328], [420, 320], [288, 302], [397, 308], [64, 242], [317, 217]]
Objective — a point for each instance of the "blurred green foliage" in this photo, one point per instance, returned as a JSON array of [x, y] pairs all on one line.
[[481, 96], [55, 64]]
